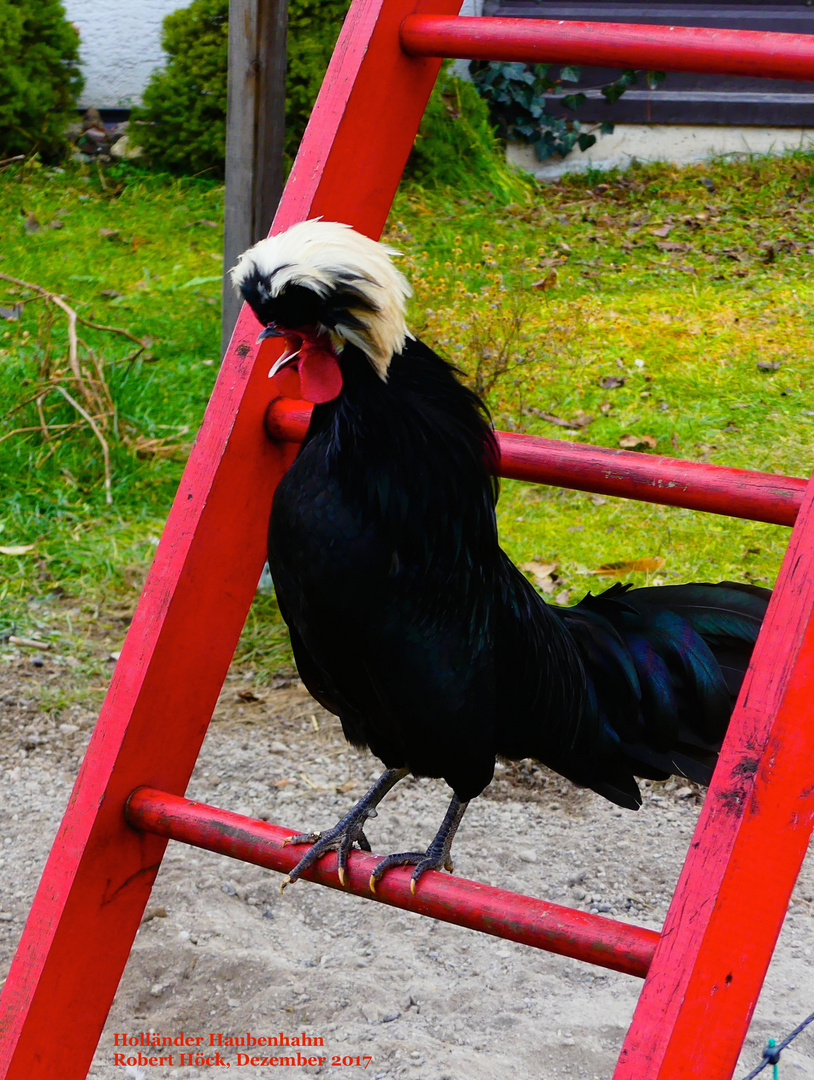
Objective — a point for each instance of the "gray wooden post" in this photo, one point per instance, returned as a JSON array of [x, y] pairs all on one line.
[[255, 129]]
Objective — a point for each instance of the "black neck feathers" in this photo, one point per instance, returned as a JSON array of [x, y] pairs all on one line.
[[417, 451]]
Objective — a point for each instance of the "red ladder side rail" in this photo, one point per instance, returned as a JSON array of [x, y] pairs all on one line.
[[761, 53], [742, 493], [746, 853], [98, 877], [593, 938]]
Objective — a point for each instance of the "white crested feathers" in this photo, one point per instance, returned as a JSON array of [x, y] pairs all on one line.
[[328, 257]]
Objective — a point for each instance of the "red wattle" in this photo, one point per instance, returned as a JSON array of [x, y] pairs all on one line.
[[320, 376], [287, 383], [313, 373]]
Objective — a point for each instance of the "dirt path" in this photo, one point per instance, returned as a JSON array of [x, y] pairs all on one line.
[[222, 951]]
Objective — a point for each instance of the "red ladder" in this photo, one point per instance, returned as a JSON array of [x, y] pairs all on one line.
[[704, 971]]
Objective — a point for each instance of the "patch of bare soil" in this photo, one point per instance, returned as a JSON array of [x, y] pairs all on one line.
[[222, 951]]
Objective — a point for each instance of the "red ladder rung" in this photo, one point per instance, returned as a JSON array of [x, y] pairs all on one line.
[[760, 53], [742, 493], [578, 934]]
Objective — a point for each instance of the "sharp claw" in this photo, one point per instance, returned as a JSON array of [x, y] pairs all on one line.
[[286, 881], [372, 884], [412, 885], [448, 866], [341, 873]]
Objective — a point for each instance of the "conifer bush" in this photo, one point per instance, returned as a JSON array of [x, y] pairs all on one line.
[[313, 27], [39, 77], [182, 122]]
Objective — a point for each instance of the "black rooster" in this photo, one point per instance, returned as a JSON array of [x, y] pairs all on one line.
[[407, 619]]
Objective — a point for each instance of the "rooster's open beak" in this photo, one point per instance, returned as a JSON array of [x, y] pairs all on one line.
[[294, 343]]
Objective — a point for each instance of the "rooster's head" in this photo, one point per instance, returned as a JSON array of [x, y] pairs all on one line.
[[321, 285]]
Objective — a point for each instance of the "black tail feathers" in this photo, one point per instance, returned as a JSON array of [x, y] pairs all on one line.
[[665, 666]]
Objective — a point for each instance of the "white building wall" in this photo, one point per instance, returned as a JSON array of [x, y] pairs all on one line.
[[120, 46]]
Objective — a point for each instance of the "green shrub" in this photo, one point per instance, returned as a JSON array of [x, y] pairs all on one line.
[[313, 27], [182, 122], [39, 76], [457, 146]]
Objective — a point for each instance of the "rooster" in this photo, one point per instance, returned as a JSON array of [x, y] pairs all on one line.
[[408, 620]]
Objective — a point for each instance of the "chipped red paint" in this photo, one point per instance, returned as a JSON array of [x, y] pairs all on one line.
[[557, 929], [749, 843], [622, 45], [672, 482], [99, 874]]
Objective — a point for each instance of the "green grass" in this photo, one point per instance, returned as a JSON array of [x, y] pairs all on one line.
[[678, 290], [677, 281], [156, 272]]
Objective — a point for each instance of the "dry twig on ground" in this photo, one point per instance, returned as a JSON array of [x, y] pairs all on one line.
[[84, 386]]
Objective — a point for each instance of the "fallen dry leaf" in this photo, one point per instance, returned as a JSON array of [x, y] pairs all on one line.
[[633, 442], [535, 567], [611, 382], [16, 549], [630, 566], [542, 574], [546, 283], [664, 230], [768, 365]]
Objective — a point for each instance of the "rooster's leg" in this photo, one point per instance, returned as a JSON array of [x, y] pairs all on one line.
[[347, 831], [436, 857]]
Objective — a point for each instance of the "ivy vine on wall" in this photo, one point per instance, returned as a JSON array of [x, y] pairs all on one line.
[[519, 96]]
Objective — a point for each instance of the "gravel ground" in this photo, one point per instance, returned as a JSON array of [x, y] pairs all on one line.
[[222, 950]]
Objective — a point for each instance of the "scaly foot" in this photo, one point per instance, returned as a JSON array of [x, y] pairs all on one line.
[[436, 857], [347, 832]]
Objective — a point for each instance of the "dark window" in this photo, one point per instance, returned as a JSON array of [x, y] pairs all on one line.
[[685, 98]]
